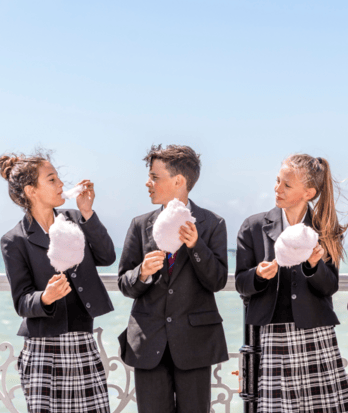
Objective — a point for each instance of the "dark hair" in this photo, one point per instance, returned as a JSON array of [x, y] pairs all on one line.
[[315, 173], [20, 171], [179, 160]]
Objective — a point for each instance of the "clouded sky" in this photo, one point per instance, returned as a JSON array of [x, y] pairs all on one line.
[[245, 83]]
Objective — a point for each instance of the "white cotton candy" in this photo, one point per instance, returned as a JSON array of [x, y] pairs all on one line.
[[168, 223], [295, 245], [73, 192], [67, 244]]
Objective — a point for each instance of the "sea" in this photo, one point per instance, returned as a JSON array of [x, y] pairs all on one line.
[[231, 309]]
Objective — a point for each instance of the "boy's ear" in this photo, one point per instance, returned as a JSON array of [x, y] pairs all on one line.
[[181, 182]]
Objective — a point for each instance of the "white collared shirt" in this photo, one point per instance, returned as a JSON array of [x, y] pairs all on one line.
[[286, 222]]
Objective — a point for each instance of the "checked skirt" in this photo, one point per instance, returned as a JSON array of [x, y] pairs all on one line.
[[63, 374], [301, 371]]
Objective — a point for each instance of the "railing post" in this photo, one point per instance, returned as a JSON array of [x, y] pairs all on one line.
[[251, 352]]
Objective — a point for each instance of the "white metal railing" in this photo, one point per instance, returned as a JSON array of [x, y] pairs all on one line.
[[126, 391]]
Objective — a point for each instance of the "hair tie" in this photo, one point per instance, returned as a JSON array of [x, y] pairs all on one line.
[[320, 160]]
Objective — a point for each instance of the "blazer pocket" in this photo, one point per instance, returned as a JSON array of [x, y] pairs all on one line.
[[206, 318]]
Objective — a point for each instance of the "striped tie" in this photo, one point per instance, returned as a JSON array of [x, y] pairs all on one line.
[[171, 261]]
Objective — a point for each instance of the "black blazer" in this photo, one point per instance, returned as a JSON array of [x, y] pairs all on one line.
[[28, 269], [312, 304], [179, 309]]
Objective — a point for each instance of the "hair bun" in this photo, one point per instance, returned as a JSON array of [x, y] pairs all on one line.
[[6, 165]]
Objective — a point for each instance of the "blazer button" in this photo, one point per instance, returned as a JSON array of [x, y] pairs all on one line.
[[73, 275], [169, 319], [294, 284], [88, 305], [195, 254], [80, 289], [198, 259], [294, 296], [170, 291], [294, 272]]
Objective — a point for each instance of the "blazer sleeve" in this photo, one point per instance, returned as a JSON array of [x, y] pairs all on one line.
[[130, 264], [323, 277], [210, 260], [246, 281], [27, 301], [101, 244]]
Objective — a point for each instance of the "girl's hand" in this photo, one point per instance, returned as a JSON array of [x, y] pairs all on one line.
[[316, 256], [267, 269], [188, 234], [85, 199], [57, 288]]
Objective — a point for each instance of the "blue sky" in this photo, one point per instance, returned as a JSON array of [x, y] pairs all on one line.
[[245, 83]]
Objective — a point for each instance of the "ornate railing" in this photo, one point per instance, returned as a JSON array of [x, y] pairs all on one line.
[[222, 393]]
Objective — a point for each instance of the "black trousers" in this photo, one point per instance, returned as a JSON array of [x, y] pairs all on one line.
[[167, 389]]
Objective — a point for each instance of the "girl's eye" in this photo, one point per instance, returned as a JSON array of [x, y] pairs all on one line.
[[288, 186]]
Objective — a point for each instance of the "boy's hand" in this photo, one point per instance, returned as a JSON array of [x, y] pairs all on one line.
[[188, 234], [152, 263]]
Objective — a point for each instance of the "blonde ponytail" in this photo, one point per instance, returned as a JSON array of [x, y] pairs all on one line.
[[316, 173]]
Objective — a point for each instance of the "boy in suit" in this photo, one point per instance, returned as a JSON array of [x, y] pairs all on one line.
[[175, 331]]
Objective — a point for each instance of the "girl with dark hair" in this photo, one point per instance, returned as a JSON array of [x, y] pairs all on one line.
[[301, 368], [60, 366]]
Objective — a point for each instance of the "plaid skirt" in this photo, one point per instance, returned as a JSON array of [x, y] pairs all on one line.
[[301, 371], [63, 374]]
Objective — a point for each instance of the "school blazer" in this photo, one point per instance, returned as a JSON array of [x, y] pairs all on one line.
[[28, 269], [178, 309], [311, 294]]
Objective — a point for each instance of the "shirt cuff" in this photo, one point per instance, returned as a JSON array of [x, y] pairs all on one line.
[[148, 279]]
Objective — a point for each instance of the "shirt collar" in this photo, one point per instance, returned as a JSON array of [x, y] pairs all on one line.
[[188, 205]]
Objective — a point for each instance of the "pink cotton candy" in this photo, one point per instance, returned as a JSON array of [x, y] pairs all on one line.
[[168, 223], [295, 245], [73, 192], [67, 244]]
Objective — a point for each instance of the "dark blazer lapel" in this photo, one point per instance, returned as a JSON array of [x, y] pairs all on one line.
[[183, 256], [35, 234], [272, 229], [149, 228], [154, 247], [308, 218]]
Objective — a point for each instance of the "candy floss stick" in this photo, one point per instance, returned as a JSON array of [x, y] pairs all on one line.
[[73, 192], [67, 244]]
